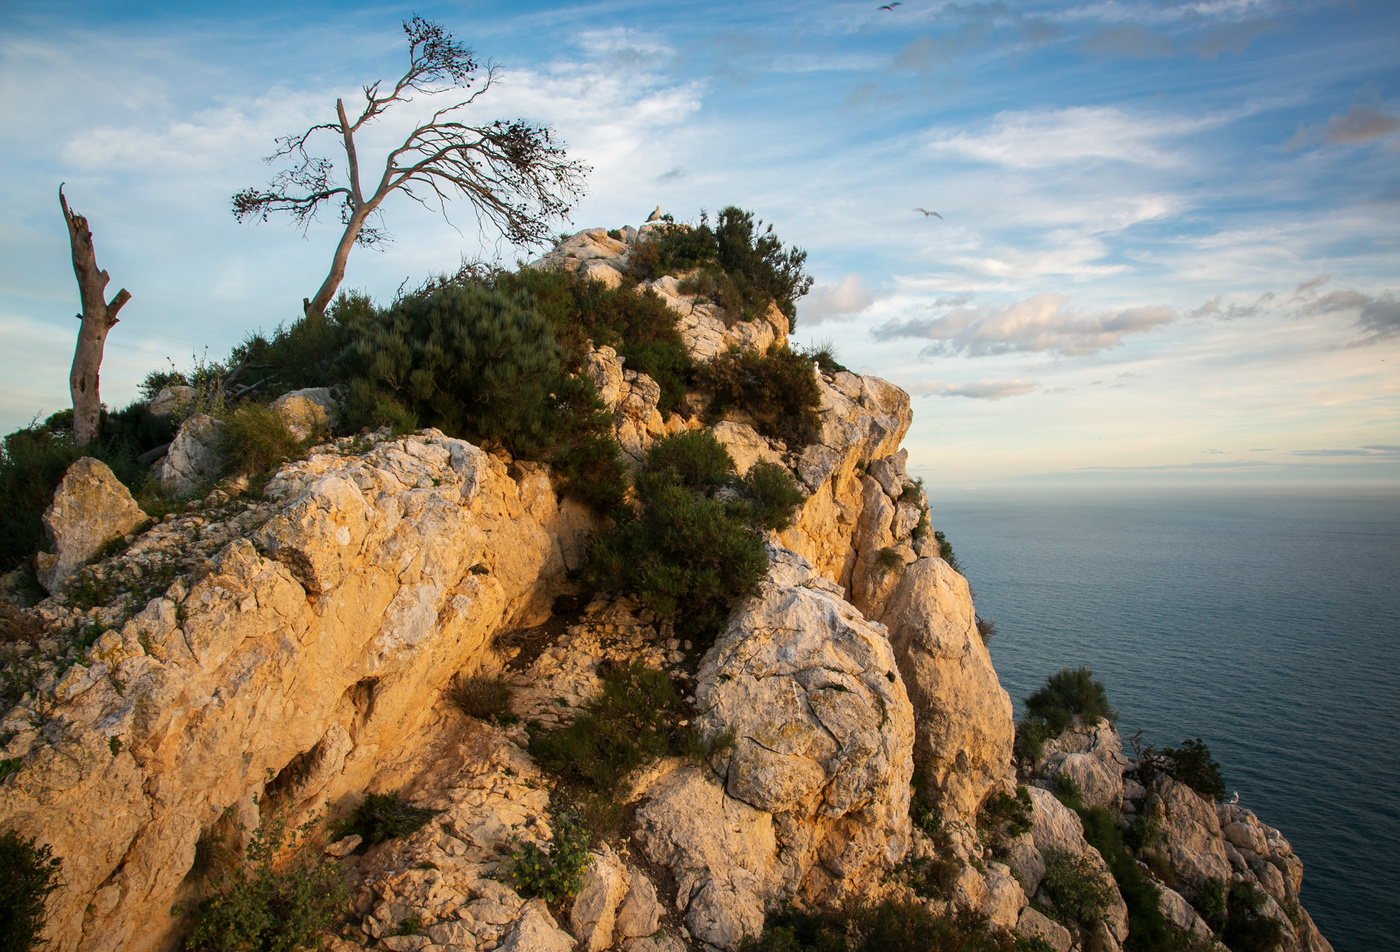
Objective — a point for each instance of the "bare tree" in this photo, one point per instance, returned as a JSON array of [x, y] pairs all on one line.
[[98, 317], [511, 171]]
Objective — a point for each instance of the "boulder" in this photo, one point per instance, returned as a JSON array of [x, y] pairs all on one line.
[[812, 799], [964, 731], [195, 457], [746, 445], [90, 508], [595, 907], [171, 400], [535, 931], [641, 911], [1101, 783], [1034, 924], [308, 412]]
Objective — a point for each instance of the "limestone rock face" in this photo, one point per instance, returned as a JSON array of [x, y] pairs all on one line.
[[1191, 832], [704, 326], [633, 398], [595, 907], [587, 251], [815, 794], [381, 576], [964, 722], [194, 457], [89, 509]]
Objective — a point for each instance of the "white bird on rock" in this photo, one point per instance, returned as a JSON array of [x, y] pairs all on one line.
[[655, 216]]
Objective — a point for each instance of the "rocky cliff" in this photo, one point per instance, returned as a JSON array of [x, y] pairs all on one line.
[[252, 654]]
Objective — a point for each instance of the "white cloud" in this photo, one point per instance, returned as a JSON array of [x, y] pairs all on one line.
[[1044, 323], [833, 302], [980, 390]]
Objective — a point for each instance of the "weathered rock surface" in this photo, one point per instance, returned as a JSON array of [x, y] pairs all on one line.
[[307, 412], [815, 791], [90, 508], [965, 729], [386, 574], [171, 400], [194, 458]]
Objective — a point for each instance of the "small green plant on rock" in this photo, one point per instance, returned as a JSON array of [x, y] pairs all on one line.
[[1078, 889], [383, 816], [270, 906], [554, 872], [1010, 814], [480, 697], [778, 390], [28, 873]]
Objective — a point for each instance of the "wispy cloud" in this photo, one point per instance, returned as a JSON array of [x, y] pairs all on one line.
[[1044, 323], [1231, 37], [1130, 40], [1362, 124], [979, 390]]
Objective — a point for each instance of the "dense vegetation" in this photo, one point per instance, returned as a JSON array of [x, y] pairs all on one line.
[[890, 926], [28, 873], [688, 542]]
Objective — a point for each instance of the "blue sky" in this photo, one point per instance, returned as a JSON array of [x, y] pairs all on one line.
[[1169, 251]]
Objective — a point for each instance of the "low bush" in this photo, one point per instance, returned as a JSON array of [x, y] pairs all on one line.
[[382, 816], [890, 926], [682, 546], [28, 873], [553, 872], [778, 390], [1069, 696], [1078, 890], [1011, 815], [271, 906], [1191, 764], [256, 440], [744, 266], [480, 697], [945, 552], [1245, 928], [771, 495], [475, 362], [635, 720]]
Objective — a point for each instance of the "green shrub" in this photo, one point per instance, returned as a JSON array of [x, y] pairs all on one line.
[[890, 926], [305, 354], [474, 362], [1193, 765], [1210, 903], [383, 816], [1245, 928], [684, 552], [271, 908], [1077, 888], [778, 390], [256, 440], [1068, 697], [640, 327], [635, 720], [771, 495], [28, 873], [986, 628], [1067, 790], [554, 872], [1010, 814], [480, 697], [945, 552], [889, 559], [746, 267]]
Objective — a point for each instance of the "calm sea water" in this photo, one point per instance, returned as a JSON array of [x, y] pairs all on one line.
[[1266, 624]]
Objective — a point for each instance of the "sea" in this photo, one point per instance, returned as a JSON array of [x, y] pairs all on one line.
[[1265, 621]]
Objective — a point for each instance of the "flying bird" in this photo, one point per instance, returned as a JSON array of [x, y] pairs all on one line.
[[928, 213], [891, 6]]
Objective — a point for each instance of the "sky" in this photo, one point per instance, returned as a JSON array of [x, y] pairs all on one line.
[[1168, 250]]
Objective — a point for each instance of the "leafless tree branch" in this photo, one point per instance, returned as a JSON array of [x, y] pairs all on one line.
[[512, 172]]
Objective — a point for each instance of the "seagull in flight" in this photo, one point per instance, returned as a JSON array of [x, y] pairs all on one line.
[[929, 214], [891, 6]]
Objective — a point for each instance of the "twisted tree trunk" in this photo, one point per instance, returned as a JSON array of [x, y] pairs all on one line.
[[98, 318]]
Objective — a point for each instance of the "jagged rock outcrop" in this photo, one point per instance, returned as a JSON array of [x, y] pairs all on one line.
[[812, 800], [965, 731], [90, 508], [308, 412], [384, 575], [195, 457]]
